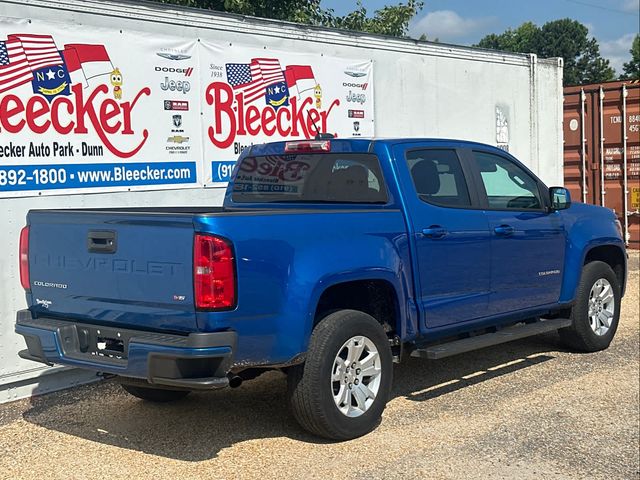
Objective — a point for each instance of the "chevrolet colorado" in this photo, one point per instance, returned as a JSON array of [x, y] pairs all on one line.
[[329, 260]]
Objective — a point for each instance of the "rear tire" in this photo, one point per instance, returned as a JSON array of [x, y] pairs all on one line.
[[596, 311], [156, 395], [342, 388]]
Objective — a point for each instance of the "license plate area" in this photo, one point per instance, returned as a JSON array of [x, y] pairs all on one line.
[[110, 346], [102, 342]]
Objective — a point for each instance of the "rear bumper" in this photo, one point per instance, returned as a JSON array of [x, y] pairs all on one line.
[[194, 361]]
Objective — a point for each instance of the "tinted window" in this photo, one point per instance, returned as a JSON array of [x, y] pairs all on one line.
[[438, 177], [508, 186], [310, 178]]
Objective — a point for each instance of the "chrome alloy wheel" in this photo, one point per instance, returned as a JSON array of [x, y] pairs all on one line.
[[355, 376], [601, 306]]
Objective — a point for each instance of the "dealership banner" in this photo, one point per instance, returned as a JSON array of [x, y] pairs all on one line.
[[96, 110], [252, 95]]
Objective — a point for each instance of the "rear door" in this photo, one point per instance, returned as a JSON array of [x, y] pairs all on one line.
[[528, 241], [112, 268], [451, 235]]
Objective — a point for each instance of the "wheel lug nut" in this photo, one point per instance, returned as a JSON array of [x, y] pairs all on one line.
[[350, 386], [356, 381], [358, 371]]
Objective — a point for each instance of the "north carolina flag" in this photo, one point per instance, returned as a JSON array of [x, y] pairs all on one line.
[[92, 60], [300, 78]]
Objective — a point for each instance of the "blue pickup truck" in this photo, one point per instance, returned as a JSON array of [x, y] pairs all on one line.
[[330, 260]]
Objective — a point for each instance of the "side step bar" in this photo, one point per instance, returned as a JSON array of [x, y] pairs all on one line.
[[516, 332]]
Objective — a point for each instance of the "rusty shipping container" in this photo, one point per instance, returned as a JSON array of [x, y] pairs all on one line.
[[602, 149]]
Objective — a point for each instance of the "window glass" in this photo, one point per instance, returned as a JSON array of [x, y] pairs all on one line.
[[438, 177], [508, 186], [310, 178]]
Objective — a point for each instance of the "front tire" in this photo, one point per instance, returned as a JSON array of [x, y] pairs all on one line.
[[596, 311], [343, 387]]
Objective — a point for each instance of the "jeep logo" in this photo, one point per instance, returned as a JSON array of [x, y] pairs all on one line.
[[175, 86]]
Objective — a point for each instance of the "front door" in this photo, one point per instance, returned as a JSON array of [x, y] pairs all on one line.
[[528, 241]]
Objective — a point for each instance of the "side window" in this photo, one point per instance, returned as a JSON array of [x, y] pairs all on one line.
[[438, 177], [507, 185]]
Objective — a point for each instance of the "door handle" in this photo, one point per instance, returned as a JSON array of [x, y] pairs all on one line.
[[434, 231], [504, 230]]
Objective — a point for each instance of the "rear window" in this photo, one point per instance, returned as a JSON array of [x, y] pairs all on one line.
[[310, 178]]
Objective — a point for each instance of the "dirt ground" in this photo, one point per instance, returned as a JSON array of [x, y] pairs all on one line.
[[524, 410]]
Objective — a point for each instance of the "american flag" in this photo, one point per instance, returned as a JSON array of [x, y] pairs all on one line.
[[41, 50], [253, 78], [14, 66]]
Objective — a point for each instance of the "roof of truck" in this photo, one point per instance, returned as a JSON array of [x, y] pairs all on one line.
[[363, 145]]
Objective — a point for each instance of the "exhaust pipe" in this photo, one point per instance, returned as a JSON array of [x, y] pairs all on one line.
[[235, 381]]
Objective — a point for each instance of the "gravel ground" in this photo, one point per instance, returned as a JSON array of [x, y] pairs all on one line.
[[525, 410]]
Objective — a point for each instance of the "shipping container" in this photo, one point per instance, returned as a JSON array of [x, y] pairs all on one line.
[[602, 149], [180, 56]]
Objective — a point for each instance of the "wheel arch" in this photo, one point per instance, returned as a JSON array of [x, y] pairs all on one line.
[[612, 255], [577, 256], [375, 292]]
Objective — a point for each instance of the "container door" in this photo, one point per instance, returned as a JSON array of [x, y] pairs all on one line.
[[452, 241], [528, 243], [602, 150]]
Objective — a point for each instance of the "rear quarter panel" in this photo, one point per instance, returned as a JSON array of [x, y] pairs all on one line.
[[286, 259]]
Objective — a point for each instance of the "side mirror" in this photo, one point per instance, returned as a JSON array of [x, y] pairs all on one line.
[[560, 198]]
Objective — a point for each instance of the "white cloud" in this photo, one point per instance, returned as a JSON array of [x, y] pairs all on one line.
[[447, 26], [590, 29], [617, 50], [631, 6]]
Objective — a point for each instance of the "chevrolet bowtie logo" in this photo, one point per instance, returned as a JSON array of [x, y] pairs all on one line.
[[178, 139]]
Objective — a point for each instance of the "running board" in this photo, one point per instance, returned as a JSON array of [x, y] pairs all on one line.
[[516, 332]]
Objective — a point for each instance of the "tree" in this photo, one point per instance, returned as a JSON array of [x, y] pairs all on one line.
[[524, 39], [390, 20], [564, 38], [631, 69]]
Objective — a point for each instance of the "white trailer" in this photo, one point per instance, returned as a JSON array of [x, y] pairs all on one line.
[[205, 67]]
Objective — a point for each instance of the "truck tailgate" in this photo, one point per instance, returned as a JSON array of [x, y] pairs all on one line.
[[113, 268]]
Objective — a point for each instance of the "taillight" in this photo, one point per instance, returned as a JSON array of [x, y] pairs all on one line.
[[214, 273], [24, 258], [308, 146]]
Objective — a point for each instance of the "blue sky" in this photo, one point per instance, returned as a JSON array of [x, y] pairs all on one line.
[[612, 22]]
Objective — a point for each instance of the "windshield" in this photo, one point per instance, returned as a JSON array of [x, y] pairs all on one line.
[[310, 178]]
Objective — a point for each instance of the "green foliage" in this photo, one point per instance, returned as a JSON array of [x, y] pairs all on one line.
[[524, 39], [390, 20], [631, 69], [564, 38]]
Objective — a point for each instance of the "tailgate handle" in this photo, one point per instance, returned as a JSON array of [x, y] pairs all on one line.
[[101, 241]]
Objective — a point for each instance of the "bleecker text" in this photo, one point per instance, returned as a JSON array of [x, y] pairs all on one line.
[[232, 118], [105, 116]]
